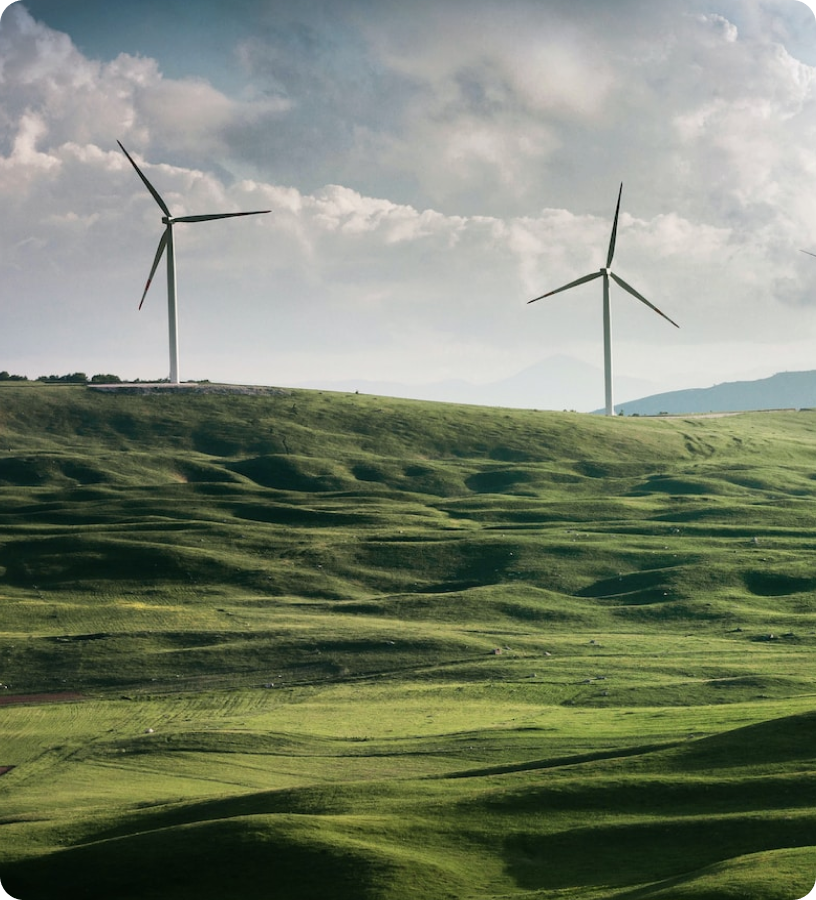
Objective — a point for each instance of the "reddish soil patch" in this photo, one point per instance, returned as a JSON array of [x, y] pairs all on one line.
[[4, 769], [62, 697]]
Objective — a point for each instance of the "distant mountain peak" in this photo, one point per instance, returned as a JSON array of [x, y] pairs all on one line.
[[784, 390]]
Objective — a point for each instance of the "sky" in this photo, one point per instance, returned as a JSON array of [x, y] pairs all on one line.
[[430, 167]]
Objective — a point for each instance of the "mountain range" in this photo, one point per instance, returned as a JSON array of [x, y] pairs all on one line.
[[556, 383], [785, 390], [565, 383]]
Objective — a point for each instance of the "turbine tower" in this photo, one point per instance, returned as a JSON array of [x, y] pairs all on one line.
[[166, 243], [607, 273]]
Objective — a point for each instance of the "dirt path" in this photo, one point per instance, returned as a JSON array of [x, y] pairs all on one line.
[[62, 697]]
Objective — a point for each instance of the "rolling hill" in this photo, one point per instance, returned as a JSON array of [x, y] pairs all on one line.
[[313, 644]]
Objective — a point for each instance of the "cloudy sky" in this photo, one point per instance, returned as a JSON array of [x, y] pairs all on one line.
[[430, 166]]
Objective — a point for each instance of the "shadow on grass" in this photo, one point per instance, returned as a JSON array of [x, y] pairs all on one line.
[[627, 853]]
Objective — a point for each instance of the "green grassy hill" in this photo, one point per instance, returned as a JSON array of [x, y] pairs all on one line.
[[302, 644]]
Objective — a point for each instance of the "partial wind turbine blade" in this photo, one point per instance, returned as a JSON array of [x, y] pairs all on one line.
[[148, 185], [808, 252], [611, 252], [568, 286], [634, 293], [162, 245], [256, 212]]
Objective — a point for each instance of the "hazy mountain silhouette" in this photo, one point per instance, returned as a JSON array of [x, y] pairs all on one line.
[[558, 382], [785, 390]]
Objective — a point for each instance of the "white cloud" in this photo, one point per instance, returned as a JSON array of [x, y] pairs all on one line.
[[24, 153], [90, 102], [724, 29], [484, 174]]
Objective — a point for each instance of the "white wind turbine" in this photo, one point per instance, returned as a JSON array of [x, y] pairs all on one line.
[[607, 273], [166, 243]]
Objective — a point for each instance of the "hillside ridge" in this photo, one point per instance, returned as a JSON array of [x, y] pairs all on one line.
[[377, 649]]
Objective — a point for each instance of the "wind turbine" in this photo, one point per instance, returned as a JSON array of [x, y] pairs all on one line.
[[607, 273], [166, 243]]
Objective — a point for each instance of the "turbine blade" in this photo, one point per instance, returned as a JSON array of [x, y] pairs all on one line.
[[808, 252], [148, 185], [634, 293], [568, 286], [162, 245], [207, 218], [611, 252]]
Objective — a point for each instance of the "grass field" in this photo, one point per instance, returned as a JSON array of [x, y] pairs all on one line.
[[309, 645]]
